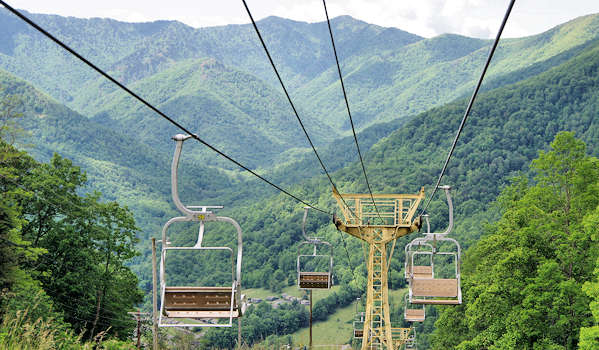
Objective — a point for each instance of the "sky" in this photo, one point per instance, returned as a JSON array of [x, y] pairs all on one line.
[[427, 18]]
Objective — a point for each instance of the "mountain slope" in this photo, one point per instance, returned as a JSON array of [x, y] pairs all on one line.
[[388, 84], [133, 51], [507, 128], [117, 164], [219, 103]]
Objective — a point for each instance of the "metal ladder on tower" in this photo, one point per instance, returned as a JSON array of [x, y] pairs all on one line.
[[395, 213]]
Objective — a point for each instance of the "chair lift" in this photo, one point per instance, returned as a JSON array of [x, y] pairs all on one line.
[[431, 290], [198, 302], [313, 279], [413, 314], [359, 319], [412, 250], [411, 342]]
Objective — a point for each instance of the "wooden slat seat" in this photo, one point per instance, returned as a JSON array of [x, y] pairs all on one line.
[[358, 333], [314, 280], [434, 288], [201, 314], [414, 315], [422, 271], [199, 302]]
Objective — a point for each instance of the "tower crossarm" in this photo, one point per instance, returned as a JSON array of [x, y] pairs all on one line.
[[389, 214]]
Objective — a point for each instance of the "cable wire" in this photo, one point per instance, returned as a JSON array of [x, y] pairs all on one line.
[[474, 94], [147, 104], [351, 120], [274, 67]]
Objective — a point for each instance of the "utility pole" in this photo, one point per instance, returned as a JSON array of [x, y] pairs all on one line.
[[310, 318], [138, 317], [154, 298]]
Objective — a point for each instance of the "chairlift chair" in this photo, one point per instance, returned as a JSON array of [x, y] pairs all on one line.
[[198, 302], [358, 324], [412, 314], [411, 342], [412, 250], [313, 279], [430, 289]]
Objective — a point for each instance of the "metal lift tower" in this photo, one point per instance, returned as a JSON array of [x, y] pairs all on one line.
[[379, 223]]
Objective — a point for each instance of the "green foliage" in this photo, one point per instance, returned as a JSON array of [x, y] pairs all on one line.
[[61, 251], [589, 336], [21, 331], [259, 322], [522, 282], [328, 305], [391, 75], [10, 129]]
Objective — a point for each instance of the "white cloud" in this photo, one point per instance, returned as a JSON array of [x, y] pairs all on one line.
[[480, 18], [125, 15]]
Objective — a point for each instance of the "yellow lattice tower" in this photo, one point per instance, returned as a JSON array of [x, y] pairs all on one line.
[[378, 223]]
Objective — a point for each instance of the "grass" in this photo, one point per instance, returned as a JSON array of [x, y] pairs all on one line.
[[337, 329], [291, 290], [19, 332], [257, 293]]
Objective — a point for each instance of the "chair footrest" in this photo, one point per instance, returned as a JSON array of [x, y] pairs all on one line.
[[200, 314], [435, 302]]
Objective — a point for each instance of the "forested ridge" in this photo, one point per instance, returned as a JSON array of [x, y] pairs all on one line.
[[531, 254]]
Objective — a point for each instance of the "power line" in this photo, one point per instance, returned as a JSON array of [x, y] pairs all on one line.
[[474, 94], [351, 120], [147, 104]]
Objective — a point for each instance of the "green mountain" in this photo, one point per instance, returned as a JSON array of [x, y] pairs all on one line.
[[395, 83], [219, 102], [508, 127], [134, 51], [117, 164], [217, 80]]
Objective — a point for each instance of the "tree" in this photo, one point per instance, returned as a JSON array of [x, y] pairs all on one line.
[[589, 336], [85, 243], [10, 106], [522, 282]]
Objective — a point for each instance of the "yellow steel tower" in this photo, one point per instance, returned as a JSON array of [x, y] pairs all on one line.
[[378, 223]]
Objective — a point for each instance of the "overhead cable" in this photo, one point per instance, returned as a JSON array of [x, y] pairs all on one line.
[[474, 94], [348, 110], [147, 104], [274, 67]]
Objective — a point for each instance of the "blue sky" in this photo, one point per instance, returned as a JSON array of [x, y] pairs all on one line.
[[477, 18]]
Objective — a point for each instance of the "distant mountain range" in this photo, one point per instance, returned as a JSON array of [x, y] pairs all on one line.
[[407, 96]]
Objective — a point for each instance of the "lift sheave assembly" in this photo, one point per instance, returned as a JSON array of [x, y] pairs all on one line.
[[379, 219], [197, 306]]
